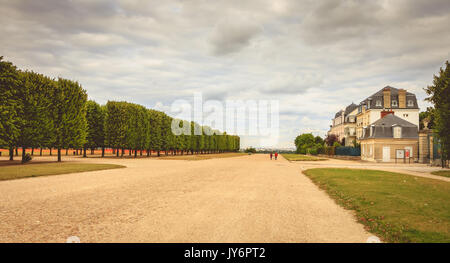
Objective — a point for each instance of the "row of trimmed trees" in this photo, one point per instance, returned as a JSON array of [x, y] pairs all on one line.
[[132, 127], [40, 112], [37, 111]]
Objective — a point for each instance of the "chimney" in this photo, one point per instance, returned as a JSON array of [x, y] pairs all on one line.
[[387, 97], [402, 98]]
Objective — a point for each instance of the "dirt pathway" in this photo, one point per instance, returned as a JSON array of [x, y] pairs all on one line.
[[240, 199]]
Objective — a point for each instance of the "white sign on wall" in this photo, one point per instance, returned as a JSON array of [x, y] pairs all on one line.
[[400, 154]]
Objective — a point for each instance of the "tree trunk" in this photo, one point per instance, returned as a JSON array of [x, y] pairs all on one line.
[[148, 153], [59, 154], [23, 154], [17, 151], [40, 151], [92, 151], [32, 151], [117, 152], [84, 152], [11, 153], [50, 151], [67, 151], [123, 151], [159, 153], [135, 153], [140, 152], [103, 151]]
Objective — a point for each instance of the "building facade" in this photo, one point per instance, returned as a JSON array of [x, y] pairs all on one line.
[[388, 100], [390, 139], [344, 125]]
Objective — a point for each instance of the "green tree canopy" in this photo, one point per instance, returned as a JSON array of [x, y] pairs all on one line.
[[304, 141], [439, 95], [9, 119]]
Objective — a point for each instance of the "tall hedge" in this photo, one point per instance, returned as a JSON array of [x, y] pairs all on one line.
[[37, 111]]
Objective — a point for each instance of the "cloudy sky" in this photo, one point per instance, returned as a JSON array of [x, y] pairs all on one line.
[[314, 57]]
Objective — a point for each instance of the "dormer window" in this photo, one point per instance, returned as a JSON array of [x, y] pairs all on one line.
[[378, 103], [397, 132], [394, 103], [410, 103]]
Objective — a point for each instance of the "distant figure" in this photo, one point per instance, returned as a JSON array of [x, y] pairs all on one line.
[[276, 155], [270, 156]]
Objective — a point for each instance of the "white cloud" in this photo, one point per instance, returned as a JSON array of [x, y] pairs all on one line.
[[315, 57]]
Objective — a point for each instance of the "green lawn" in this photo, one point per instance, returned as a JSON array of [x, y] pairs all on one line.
[[445, 173], [396, 207], [11, 172], [301, 157]]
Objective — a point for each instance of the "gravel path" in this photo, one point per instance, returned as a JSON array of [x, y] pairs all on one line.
[[240, 199]]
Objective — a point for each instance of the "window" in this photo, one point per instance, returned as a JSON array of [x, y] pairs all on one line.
[[410, 103], [378, 103], [405, 115], [370, 150], [394, 103], [397, 132]]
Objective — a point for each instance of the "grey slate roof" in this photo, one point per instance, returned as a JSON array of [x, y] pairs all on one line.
[[391, 120], [371, 101], [350, 108], [347, 110], [339, 113], [384, 128]]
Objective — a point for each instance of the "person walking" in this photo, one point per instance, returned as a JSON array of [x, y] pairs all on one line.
[[276, 155], [271, 156]]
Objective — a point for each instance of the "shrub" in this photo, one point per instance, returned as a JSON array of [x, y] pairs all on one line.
[[320, 148], [26, 158], [313, 151], [250, 150], [336, 144], [301, 151], [329, 150]]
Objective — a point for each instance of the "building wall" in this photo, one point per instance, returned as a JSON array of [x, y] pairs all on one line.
[[350, 129], [369, 116], [338, 131], [338, 127], [372, 149], [411, 115], [363, 119]]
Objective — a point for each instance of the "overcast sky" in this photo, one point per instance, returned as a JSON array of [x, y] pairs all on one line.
[[315, 57]]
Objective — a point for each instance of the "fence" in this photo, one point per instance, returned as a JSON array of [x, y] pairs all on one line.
[[348, 151]]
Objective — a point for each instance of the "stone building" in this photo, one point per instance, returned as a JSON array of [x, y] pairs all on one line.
[[390, 139], [344, 125], [388, 100]]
